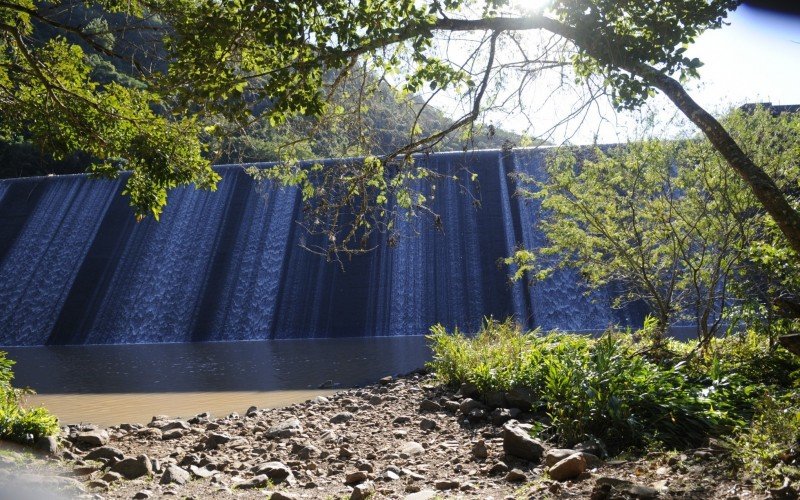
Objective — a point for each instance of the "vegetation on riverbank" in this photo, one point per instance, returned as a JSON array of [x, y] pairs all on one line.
[[17, 423], [741, 391]]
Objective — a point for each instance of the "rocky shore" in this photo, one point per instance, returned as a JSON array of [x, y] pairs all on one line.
[[406, 438]]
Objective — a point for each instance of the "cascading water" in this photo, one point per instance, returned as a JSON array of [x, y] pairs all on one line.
[[75, 268]]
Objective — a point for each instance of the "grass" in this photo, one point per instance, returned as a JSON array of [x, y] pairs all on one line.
[[621, 391]]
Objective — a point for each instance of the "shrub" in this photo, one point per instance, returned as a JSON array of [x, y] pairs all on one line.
[[768, 449], [17, 423], [606, 388]]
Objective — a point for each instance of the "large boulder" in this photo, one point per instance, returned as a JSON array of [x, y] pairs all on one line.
[[94, 437], [47, 444], [175, 474], [568, 468], [131, 468], [518, 443]]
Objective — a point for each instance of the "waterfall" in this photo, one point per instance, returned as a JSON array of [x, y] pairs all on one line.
[[75, 267]]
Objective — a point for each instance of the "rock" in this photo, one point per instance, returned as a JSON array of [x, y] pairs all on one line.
[[305, 452], [277, 472], [469, 404], [555, 455], [112, 477], [411, 448], [517, 443], [214, 439], [201, 472], [47, 444], [288, 428], [452, 406], [498, 468], [320, 400], [477, 415], [282, 495], [608, 488], [469, 390], [401, 420], [341, 418], [390, 475], [142, 494], [105, 453], [427, 424], [255, 482], [421, 495], [251, 412], [479, 449], [363, 491], [93, 438], [592, 462], [85, 470], [520, 397], [200, 418], [355, 477], [176, 475], [568, 468], [593, 446], [149, 433], [131, 468], [173, 434], [446, 484], [499, 416], [169, 425], [428, 405], [365, 465], [97, 484], [494, 399], [515, 475], [386, 380], [328, 384]]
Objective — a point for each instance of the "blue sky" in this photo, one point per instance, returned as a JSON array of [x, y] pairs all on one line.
[[756, 58]]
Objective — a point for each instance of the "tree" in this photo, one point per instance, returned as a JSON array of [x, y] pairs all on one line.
[[228, 58], [671, 225]]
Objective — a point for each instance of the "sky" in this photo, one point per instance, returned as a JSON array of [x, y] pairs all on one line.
[[756, 58]]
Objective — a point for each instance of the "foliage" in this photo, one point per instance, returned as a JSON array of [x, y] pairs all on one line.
[[669, 221], [611, 34], [48, 92], [604, 388], [141, 84], [768, 449], [17, 423]]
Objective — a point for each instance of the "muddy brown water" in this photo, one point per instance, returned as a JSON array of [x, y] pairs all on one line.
[[112, 384]]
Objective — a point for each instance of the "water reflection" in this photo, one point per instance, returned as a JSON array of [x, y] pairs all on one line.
[[213, 367]]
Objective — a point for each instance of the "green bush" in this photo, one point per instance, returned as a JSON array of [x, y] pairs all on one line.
[[17, 423], [768, 448], [608, 388]]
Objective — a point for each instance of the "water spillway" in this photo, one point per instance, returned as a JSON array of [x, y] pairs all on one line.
[[75, 267]]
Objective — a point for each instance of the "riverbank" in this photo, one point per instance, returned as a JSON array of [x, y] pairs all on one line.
[[400, 438]]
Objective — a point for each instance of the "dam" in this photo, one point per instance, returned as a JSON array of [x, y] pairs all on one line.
[[76, 268]]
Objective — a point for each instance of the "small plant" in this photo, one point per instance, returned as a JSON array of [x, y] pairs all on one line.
[[613, 388], [17, 423], [768, 448]]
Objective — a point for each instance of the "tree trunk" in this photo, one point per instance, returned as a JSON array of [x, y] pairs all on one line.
[[762, 186]]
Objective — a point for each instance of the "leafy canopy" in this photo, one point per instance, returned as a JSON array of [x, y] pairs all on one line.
[[249, 61]]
